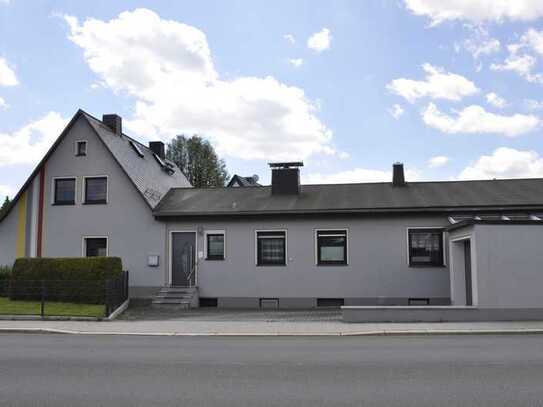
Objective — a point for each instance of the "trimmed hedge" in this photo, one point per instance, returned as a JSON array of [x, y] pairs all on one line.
[[79, 279], [5, 275]]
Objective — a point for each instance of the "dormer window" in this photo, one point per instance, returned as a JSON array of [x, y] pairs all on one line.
[[80, 148]]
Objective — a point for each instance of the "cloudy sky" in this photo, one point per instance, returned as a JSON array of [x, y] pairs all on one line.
[[452, 88]]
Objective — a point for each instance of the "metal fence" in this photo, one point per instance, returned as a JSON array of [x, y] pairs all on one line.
[[63, 297]]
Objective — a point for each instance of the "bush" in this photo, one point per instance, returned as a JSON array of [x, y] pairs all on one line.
[[5, 275], [80, 279]]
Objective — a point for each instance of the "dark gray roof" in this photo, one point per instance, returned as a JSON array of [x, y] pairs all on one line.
[[145, 172], [347, 198]]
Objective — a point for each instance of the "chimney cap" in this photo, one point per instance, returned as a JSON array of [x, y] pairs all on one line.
[[291, 164]]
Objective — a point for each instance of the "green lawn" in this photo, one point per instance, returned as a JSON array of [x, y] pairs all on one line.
[[8, 307]]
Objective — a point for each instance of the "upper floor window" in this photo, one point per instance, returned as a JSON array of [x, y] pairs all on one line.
[[332, 247], [426, 247], [64, 191], [80, 148], [215, 245], [95, 190], [271, 248]]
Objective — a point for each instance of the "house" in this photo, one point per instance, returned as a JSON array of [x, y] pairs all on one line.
[[287, 245], [239, 181]]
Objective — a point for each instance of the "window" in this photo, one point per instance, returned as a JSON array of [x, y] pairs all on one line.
[[64, 191], [215, 246], [80, 148], [271, 248], [331, 247], [95, 246], [425, 247], [137, 149], [95, 190]]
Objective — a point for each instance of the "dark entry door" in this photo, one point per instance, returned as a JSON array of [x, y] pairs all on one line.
[[183, 259], [467, 268]]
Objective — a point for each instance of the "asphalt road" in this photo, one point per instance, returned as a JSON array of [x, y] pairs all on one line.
[[66, 370]]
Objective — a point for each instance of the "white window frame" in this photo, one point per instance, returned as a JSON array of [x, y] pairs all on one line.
[[86, 148], [257, 231], [84, 187], [444, 254], [214, 232], [53, 182], [316, 245], [84, 244]]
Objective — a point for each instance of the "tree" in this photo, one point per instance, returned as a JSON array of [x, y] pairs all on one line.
[[197, 159], [4, 206]]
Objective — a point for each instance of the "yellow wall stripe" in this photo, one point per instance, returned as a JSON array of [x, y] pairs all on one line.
[[21, 226]]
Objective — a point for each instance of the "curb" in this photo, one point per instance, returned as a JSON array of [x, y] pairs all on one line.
[[419, 332]]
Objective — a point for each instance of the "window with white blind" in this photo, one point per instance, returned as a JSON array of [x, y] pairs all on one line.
[[271, 248], [426, 247], [331, 247]]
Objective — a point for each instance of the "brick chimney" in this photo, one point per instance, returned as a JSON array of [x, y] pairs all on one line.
[[114, 122], [398, 178], [157, 147], [286, 178]]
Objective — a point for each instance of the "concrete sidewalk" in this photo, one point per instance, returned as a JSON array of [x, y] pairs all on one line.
[[194, 327]]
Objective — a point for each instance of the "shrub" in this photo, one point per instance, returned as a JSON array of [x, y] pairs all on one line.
[[5, 275], [80, 279]]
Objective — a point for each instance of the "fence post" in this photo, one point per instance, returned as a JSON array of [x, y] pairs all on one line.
[[106, 297], [42, 311]]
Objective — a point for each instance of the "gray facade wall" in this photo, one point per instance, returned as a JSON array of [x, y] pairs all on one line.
[[126, 219], [8, 237], [378, 270], [509, 266]]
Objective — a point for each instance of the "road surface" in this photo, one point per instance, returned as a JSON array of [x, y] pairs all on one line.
[[68, 370]]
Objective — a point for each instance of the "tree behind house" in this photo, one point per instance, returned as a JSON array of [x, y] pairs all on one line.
[[198, 161], [4, 206]]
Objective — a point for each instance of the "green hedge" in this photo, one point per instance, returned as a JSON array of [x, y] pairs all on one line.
[[5, 275], [80, 279]]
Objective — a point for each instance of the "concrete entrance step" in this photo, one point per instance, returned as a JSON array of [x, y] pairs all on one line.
[[178, 297]]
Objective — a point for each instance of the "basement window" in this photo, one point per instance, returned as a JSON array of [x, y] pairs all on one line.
[[425, 247]]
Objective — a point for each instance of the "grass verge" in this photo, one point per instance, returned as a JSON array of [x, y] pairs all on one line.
[[8, 307]]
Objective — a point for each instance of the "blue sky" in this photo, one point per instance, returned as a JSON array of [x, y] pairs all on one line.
[[451, 88]]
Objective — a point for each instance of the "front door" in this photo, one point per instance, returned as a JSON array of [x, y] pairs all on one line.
[[467, 268], [183, 259]]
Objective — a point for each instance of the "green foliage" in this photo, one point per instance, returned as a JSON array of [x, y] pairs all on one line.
[[79, 279], [198, 161], [5, 273], [4, 206]]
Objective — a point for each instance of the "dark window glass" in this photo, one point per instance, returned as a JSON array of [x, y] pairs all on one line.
[[331, 247], [64, 191], [271, 248], [215, 247], [96, 190], [425, 247], [81, 148], [95, 247]]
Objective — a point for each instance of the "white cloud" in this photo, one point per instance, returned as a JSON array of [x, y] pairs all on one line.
[[3, 104], [482, 47], [290, 38], [357, 175], [532, 104], [476, 11], [320, 41], [167, 67], [296, 62], [438, 85], [475, 119], [505, 163], [29, 144], [438, 161], [495, 100], [521, 59], [7, 74], [396, 111]]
